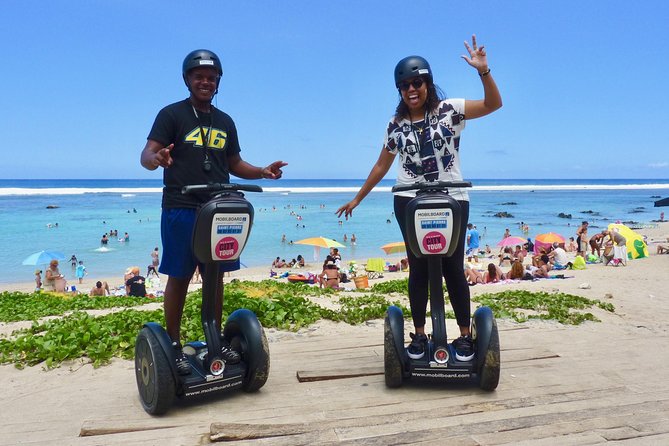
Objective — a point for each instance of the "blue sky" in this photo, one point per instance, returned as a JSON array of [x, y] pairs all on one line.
[[311, 82]]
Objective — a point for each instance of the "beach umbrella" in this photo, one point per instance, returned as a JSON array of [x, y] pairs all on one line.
[[43, 257], [549, 237], [394, 247], [636, 246], [512, 241], [318, 243]]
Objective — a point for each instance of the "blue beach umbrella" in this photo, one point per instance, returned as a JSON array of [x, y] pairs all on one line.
[[43, 257]]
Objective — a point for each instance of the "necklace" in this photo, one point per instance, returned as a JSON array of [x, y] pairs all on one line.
[[422, 128], [206, 164]]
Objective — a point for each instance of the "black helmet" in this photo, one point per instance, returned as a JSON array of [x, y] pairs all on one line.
[[412, 66], [201, 58]]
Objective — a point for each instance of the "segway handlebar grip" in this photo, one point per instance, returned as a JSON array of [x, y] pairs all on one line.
[[220, 187], [434, 185]]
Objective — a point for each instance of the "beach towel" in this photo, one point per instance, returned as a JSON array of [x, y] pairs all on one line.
[[579, 263]]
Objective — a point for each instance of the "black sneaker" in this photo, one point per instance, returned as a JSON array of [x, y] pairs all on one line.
[[183, 366], [464, 348], [416, 349], [229, 355]]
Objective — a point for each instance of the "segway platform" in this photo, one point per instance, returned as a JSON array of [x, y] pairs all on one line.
[[433, 231], [222, 228]]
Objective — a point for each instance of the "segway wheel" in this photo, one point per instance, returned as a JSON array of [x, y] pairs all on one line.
[[491, 365], [247, 336], [392, 363], [257, 377], [154, 376]]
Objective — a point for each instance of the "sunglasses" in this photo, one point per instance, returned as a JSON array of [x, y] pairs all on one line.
[[416, 83]]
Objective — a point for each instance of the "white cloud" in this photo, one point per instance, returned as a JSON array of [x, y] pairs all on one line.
[[658, 165]]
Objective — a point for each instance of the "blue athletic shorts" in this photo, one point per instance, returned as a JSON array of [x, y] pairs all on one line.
[[176, 231]]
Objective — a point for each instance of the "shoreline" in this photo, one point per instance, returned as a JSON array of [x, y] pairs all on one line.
[[300, 189]]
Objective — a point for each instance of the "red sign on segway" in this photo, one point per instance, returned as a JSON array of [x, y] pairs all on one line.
[[434, 242], [226, 248]]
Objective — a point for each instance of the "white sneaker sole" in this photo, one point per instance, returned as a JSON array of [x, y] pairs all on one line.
[[464, 358], [415, 355]]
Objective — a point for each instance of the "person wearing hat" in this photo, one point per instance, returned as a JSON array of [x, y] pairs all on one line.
[[135, 285], [425, 133], [195, 143]]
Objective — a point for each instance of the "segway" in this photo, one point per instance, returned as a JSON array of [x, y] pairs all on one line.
[[433, 230], [222, 227]]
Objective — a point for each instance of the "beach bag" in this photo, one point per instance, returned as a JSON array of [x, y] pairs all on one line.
[[579, 263]]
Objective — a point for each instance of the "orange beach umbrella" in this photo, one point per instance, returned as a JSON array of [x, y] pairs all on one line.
[[549, 237], [318, 243], [394, 247]]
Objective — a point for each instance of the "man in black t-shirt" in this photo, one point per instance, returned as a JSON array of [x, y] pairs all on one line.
[[195, 143], [136, 285]]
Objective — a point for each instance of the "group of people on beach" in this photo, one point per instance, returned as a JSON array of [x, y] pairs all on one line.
[[602, 246], [294, 263]]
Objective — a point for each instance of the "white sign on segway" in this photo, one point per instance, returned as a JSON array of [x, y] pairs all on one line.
[[228, 235], [434, 229]]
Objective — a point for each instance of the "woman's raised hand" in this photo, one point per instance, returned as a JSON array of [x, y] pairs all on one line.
[[477, 56]]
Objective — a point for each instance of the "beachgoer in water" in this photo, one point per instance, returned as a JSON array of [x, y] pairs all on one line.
[[188, 154], [73, 261], [104, 240], [420, 122]]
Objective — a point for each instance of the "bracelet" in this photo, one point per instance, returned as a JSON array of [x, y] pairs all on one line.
[[485, 73]]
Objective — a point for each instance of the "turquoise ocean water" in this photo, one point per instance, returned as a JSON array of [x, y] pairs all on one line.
[[86, 209]]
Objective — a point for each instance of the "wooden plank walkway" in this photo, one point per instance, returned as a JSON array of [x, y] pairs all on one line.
[[559, 385]]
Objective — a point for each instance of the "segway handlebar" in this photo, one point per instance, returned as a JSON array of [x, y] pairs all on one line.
[[431, 185], [220, 187]]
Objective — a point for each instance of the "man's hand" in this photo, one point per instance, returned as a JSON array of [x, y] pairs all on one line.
[[273, 171]]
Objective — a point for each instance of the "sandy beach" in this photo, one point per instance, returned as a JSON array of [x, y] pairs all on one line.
[[588, 384]]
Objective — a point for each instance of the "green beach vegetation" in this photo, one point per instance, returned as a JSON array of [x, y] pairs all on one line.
[[62, 329]]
